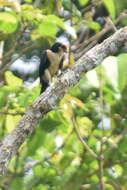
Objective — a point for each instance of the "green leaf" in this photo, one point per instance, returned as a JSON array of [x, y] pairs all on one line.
[[110, 5], [52, 121], [68, 5], [120, 5], [83, 2], [93, 25], [92, 142], [122, 71], [111, 71], [41, 187], [109, 187], [8, 22], [17, 183], [118, 170], [36, 141], [92, 78], [54, 20], [12, 80], [10, 124], [47, 30], [48, 27], [38, 170], [85, 125], [94, 165]]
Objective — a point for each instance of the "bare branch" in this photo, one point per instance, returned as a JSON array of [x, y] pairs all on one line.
[[47, 100], [101, 173], [8, 64], [97, 36], [101, 156]]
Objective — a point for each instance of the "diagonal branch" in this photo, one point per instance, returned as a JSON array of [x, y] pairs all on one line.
[[46, 102]]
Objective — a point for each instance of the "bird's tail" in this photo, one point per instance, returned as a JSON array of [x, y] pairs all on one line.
[[44, 85]]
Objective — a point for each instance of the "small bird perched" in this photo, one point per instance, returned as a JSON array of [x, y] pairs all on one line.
[[51, 62]]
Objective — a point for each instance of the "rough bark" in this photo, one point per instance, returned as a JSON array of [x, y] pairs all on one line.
[[47, 100]]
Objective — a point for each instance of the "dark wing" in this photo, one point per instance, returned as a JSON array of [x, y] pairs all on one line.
[[44, 64], [61, 63]]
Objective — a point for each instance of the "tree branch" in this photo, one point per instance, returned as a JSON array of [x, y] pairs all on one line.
[[91, 152], [6, 65], [47, 100]]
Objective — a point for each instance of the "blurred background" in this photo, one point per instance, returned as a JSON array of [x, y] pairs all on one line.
[[82, 143]]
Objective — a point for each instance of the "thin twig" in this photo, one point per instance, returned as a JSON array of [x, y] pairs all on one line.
[[9, 113], [1, 50], [93, 154], [69, 53], [110, 22], [91, 45], [100, 161], [101, 173], [97, 36], [6, 66]]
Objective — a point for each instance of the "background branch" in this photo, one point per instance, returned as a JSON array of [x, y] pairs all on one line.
[[91, 152]]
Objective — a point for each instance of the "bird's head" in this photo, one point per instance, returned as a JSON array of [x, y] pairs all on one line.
[[59, 47]]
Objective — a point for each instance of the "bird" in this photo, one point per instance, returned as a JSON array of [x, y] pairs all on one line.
[[51, 62]]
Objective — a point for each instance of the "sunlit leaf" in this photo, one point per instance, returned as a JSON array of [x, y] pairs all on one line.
[[109, 187], [92, 142], [85, 125], [12, 80], [54, 20], [110, 5], [74, 101], [10, 124], [17, 183], [70, 30], [118, 170], [94, 165], [110, 66], [8, 22], [47, 29], [94, 178], [93, 25], [38, 170], [93, 78], [122, 71], [83, 2]]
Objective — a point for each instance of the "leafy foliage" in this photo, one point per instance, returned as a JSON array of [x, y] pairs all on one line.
[[54, 156], [8, 22]]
